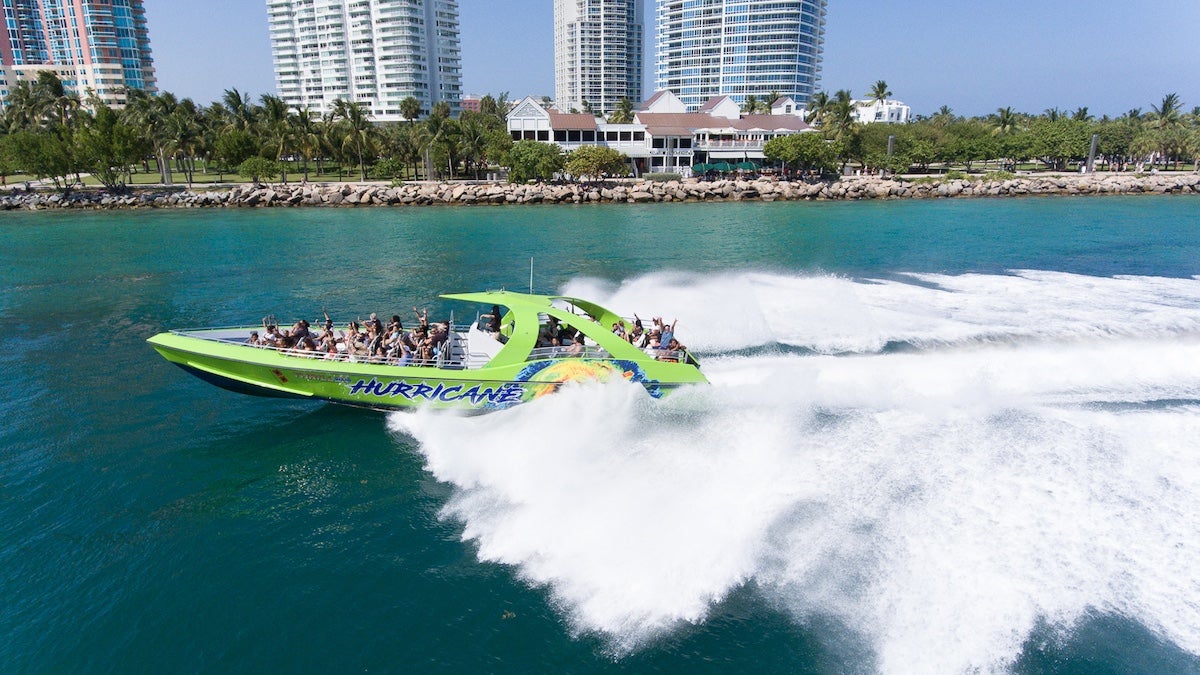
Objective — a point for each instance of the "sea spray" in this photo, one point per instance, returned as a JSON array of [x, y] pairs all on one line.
[[1005, 471]]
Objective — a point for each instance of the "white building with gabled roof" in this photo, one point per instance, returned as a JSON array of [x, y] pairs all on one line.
[[663, 136]]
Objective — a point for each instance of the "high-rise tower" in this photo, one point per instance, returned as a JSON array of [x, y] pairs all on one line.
[[94, 46], [375, 52], [597, 53], [736, 48]]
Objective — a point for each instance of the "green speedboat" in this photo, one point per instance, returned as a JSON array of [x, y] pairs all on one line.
[[476, 367]]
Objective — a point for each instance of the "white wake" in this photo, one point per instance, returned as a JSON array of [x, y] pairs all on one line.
[[1028, 457]]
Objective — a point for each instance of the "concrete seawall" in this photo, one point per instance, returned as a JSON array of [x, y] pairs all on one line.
[[625, 191]]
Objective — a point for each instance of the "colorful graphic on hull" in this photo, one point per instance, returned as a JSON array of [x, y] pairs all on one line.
[[579, 370]]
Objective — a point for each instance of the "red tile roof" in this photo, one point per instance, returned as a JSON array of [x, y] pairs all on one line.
[[561, 120]]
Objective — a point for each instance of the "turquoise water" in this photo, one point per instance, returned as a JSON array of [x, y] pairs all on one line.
[[941, 436]]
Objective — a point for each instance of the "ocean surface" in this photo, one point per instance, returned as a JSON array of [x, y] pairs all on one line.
[[941, 437]]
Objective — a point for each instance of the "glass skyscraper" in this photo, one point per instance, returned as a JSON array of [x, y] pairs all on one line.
[[97, 46], [374, 52], [707, 48], [597, 53]]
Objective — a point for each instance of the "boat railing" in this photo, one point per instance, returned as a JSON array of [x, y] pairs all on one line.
[[451, 355], [588, 352]]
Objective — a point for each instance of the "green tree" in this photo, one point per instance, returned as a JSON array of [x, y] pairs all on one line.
[[1168, 113], [530, 160], [1115, 140], [624, 112], [257, 168], [278, 129], [1059, 140], [880, 91], [804, 151], [1007, 122], [45, 154], [358, 130], [596, 161], [410, 108], [818, 107], [968, 141], [108, 147], [235, 146], [307, 136], [388, 169]]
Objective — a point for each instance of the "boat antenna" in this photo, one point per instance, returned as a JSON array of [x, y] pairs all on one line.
[[531, 275]]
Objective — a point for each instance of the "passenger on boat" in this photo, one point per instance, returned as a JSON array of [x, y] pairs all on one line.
[[395, 325], [327, 342], [576, 348], [493, 324], [353, 340], [439, 334], [667, 332], [422, 318], [254, 339], [299, 330], [375, 323], [671, 352], [328, 321], [618, 329], [271, 336], [636, 335]]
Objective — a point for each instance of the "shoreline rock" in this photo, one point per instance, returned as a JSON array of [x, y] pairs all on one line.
[[623, 191]]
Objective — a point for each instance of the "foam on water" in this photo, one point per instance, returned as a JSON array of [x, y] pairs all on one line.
[[1030, 461]]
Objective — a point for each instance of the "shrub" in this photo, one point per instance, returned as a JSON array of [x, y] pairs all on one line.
[[257, 168], [662, 177], [955, 175], [387, 168]]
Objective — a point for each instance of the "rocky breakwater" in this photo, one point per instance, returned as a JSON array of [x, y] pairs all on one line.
[[626, 191]]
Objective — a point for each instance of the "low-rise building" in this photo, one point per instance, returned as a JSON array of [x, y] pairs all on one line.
[[886, 112], [663, 136]]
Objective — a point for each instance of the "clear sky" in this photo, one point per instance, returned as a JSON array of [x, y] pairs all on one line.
[[1109, 55]]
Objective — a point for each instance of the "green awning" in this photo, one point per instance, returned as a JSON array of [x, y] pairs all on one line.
[[700, 168], [723, 167]]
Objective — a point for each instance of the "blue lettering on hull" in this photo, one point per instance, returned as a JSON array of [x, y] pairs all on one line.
[[499, 396]]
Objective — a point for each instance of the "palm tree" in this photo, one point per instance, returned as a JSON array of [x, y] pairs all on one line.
[[1006, 122], [242, 114], [410, 108], [182, 126], [1168, 113], [818, 105], [1081, 114], [473, 141], [880, 92], [278, 129], [1052, 114], [624, 112], [151, 113], [360, 131], [751, 104], [307, 136], [840, 116]]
